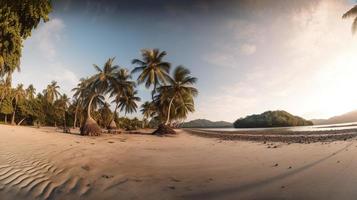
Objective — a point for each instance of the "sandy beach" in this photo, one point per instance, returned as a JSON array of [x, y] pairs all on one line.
[[45, 164]]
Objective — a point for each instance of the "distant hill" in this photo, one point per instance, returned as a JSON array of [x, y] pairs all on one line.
[[344, 118], [204, 123], [277, 118]]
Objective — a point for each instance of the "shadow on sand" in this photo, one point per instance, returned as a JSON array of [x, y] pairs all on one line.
[[220, 193]]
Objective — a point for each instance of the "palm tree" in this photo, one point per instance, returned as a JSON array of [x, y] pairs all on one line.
[[63, 103], [99, 84], [30, 92], [51, 93], [119, 88], [17, 95], [153, 70], [352, 13], [147, 110], [79, 94], [179, 90], [127, 102]]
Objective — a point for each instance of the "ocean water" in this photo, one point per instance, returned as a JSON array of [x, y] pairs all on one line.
[[342, 126]]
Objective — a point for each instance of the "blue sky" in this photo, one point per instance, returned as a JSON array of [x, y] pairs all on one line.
[[249, 56]]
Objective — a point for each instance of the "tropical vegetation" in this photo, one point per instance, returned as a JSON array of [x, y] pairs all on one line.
[[172, 97], [277, 118]]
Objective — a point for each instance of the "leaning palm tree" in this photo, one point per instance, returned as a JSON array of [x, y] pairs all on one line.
[[51, 92], [179, 89], [153, 70], [17, 95], [352, 13], [99, 84]]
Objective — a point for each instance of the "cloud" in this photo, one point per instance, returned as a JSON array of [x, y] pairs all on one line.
[[47, 37], [248, 49], [305, 65]]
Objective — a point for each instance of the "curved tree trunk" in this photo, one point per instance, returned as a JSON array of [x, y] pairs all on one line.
[[113, 126], [90, 127], [169, 111]]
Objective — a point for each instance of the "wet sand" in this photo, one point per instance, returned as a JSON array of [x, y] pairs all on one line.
[[44, 164]]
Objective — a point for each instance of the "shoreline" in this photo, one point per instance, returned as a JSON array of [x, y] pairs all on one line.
[[284, 136]]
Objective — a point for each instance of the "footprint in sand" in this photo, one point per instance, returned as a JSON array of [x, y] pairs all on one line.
[[107, 176]]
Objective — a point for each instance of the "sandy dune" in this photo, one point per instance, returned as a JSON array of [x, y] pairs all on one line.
[[44, 164]]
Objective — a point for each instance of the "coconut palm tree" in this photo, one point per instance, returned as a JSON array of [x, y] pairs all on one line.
[[63, 103], [99, 84], [30, 92], [51, 92], [153, 70], [352, 13], [119, 88], [17, 95], [179, 90], [127, 102], [147, 109], [79, 94]]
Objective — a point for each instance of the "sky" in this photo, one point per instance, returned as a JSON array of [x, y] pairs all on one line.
[[249, 56]]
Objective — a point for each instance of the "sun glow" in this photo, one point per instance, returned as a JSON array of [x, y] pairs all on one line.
[[335, 85]]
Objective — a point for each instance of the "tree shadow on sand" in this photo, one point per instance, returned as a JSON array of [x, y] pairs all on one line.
[[216, 194]]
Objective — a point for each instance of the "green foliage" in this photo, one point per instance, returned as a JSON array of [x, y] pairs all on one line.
[[17, 19], [271, 119], [6, 106]]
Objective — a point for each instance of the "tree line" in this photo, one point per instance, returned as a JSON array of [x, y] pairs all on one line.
[[172, 98]]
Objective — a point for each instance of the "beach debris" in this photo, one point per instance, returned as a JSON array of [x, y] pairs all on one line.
[[276, 164], [164, 130], [338, 161], [86, 167], [172, 187], [107, 176], [111, 142], [282, 187], [175, 180], [289, 167]]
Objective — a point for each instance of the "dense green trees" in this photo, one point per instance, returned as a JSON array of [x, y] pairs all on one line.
[[278, 118], [17, 19], [173, 99]]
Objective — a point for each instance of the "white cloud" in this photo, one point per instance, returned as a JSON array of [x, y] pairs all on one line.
[[46, 38], [248, 49], [306, 66]]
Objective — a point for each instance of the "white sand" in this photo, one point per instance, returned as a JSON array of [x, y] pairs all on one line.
[[44, 164]]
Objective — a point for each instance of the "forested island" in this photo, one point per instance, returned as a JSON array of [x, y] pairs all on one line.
[[277, 118], [204, 123]]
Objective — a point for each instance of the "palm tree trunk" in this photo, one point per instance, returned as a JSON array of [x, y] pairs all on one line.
[[169, 111], [13, 116], [64, 121], [89, 106], [75, 116], [5, 118]]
